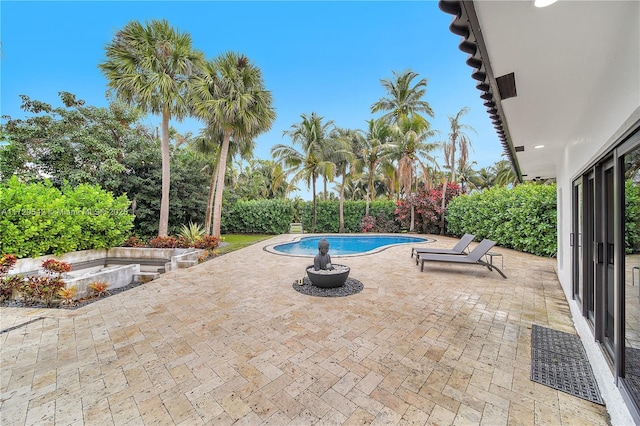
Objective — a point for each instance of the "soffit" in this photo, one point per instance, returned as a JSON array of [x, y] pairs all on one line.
[[560, 56]]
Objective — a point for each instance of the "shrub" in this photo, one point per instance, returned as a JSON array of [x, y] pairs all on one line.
[[523, 217], [11, 283], [52, 266], [367, 224], [258, 217], [133, 242], [427, 208], [163, 242], [192, 233], [37, 218], [207, 242], [7, 261]]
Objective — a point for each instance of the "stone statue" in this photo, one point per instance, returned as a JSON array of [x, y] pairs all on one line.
[[322, 259]]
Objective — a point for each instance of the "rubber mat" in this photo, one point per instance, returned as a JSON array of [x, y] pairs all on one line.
[[559, 361]]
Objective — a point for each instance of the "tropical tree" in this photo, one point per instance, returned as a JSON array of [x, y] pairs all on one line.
[[377, 147], [229, 94], [484, 178], [456, 139], [346, 143], [151, 66], [403, 99], [410, 135], [504, 174], [312, 134]]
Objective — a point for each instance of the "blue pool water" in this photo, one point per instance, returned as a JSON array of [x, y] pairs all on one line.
[[345, 244]]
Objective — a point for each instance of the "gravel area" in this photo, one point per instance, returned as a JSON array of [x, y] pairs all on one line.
[[351, 286]]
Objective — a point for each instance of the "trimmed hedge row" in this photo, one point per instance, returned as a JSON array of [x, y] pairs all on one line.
[[258, 217], [523, 218], [274, 216], [328, 214], [38, 219]]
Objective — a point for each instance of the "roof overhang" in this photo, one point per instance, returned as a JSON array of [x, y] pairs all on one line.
[[546, 74]]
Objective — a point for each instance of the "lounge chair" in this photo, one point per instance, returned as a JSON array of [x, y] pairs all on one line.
[[473, 258], [459, 248]]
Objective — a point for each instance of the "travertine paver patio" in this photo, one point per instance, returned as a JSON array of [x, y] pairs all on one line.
[[231, 342]]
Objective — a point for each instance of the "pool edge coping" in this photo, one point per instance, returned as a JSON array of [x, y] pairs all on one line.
[[269, 248]]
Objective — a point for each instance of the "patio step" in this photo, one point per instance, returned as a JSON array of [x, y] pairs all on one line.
[[145, 277], [186, 263]]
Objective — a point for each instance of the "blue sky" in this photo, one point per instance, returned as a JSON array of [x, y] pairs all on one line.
[[324, 57]]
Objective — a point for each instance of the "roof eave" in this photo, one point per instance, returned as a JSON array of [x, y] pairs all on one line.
[[465, 24]]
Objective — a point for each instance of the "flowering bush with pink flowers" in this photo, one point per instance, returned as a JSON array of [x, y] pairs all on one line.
[[428, 208]]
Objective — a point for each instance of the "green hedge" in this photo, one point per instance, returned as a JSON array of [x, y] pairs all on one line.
[[523, 218], [258, 217], [328, 214], [274, 216], [38, 219]]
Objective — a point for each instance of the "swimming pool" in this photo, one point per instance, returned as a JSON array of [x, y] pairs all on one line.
[[344, 245]]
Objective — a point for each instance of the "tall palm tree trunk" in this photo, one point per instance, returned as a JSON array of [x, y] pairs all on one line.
[[163, 226], [222, 170], [442, 206], [212, 190], [341, 230], [313, 185], [412, 227]]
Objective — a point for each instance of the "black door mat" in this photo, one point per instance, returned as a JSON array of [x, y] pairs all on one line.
[[559, 361]]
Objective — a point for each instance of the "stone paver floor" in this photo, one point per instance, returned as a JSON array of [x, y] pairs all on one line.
[[231, 342]]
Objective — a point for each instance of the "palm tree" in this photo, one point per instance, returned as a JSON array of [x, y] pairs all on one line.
[[229, 94], [347, 143], [209, 143], [504, 174], [410, 135], [403, 99], [483, 178], [151, 66], [377, 146], [467, 174], [456, 138], [313, 136]]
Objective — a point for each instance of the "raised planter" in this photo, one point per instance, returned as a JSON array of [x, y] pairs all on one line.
[[328, 279]]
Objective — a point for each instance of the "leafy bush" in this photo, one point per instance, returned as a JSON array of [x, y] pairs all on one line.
[[427, 208], [10, 283], [523, 217], [258, 217], [164, 242], [37, 218], [328, 215]]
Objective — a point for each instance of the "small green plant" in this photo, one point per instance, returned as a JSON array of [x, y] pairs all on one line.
[[191, 233], [68, 295], [100, 288]]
